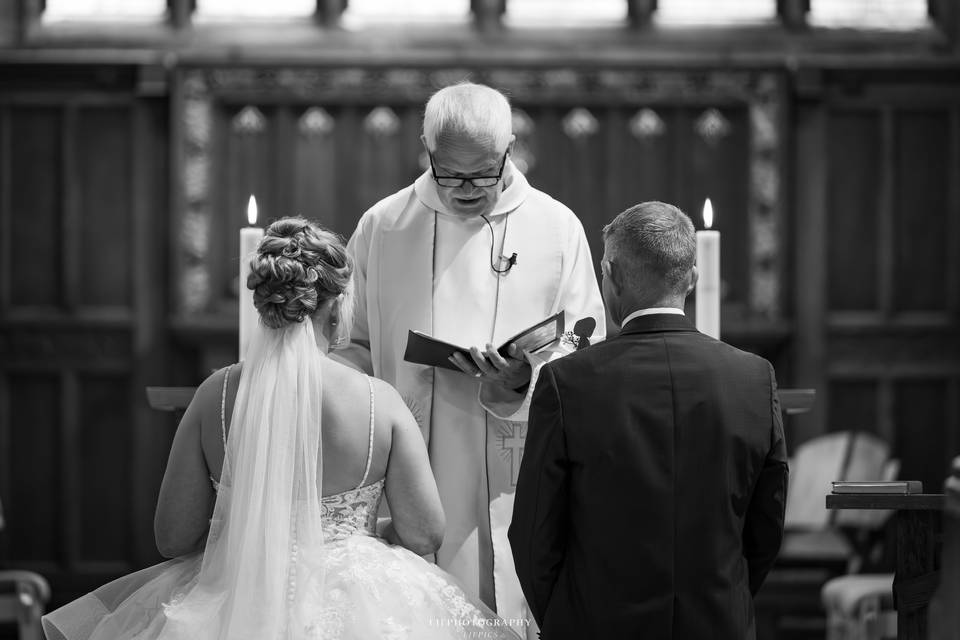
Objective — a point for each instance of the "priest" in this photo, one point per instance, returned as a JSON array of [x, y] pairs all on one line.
[[471, 254]]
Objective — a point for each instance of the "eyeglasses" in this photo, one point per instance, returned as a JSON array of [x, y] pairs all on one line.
[[477, 181]]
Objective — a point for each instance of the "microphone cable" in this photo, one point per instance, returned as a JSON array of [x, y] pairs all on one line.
[[512, 260]]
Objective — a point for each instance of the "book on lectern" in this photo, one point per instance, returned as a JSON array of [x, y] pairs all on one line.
[[896, 487], [425, 349]]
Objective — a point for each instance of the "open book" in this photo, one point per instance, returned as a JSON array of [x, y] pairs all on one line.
[[424, 349]]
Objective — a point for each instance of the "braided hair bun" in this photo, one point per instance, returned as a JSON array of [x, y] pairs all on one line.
[[298, 266]]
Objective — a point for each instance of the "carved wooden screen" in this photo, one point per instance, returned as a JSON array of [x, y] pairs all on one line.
[[328, 143], [83, 166], [878, 273]]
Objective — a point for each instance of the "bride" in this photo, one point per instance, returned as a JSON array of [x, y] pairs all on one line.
[[268, 506]]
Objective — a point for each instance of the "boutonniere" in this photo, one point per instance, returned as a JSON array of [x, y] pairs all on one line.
[[579, 338], [571, 339]]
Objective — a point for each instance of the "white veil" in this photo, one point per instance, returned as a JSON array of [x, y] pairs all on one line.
[[262, 557]]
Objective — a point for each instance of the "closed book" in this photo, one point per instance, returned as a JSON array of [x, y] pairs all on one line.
[[425, 349], [895, 487]]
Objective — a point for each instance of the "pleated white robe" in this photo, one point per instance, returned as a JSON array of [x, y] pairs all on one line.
[[420, 267]]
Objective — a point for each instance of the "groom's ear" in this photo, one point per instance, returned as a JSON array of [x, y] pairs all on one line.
[[694, 277], [615, 276]]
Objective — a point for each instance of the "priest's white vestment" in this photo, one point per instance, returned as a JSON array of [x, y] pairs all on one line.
[[418, 266]]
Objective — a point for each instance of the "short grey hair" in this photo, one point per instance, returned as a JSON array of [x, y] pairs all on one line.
[[654, 238], [469, 109]]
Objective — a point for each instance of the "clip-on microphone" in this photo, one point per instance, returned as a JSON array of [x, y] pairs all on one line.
[[512, 260]]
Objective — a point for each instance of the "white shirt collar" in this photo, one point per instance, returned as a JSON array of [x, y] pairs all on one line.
[[649, 312]]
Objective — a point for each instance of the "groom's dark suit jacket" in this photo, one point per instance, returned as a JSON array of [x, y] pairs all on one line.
[[651, 493]]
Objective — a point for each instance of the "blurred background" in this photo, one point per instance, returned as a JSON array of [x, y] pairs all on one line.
[[133, 132]]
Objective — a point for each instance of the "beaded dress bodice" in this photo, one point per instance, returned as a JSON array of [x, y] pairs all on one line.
[[352, 512]]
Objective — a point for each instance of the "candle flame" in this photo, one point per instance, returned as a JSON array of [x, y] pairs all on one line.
[[252, 210], [707, 214]]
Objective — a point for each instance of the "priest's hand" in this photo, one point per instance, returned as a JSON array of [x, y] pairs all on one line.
[[511, 372]]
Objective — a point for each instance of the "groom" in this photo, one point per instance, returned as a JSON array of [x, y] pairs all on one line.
[[651, 493]]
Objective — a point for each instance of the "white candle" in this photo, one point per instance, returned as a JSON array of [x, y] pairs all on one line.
[[708, 286], [249, 241]]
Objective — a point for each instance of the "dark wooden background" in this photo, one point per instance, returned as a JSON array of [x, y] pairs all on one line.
[[127, 157]]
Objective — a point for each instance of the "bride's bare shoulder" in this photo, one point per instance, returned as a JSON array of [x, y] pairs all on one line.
[[342, 372], [386, 394], [211, 389], [387, 398]]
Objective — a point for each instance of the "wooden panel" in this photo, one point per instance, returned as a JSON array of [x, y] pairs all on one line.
[[383, 154], [921, 422], [152, 358], [853, 150], [247, 160], [921, 211], [104, 489], [34, 513], [583, 167], [284, 125], [103, 169], [600, 174], [411, 161], [81, 456], [638, 153], [6, 458], [316, 167], [919, 540], [853, 406], [35, 191], [887, 351], [61, 345], [952, 447], [350, 199], [809, 282], [716, 167], [578, 166], [638, 166], [6, 221], [544, 142]]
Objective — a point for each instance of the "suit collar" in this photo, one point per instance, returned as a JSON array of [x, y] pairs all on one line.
[[658, 322]]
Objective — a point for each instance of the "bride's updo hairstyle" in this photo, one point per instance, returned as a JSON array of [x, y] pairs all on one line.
[[298, 266]]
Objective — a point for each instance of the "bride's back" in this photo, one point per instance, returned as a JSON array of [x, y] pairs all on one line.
[[397, 452], [348, 397], [345, 432], [302, 273]]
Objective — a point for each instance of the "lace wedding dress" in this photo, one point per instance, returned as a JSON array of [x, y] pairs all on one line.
[[346, 584]]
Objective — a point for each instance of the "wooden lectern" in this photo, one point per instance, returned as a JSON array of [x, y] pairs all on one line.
[[919, 544]]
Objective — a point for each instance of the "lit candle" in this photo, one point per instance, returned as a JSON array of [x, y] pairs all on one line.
[[708, 285], [249, 241]]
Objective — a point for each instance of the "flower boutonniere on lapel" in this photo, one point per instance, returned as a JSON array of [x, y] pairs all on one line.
[[570, 339], [579, 338]]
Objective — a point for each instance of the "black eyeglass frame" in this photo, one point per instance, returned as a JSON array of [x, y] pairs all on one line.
[[453, 182]]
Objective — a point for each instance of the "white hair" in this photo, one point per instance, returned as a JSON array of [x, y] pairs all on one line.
[[469, 109]]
